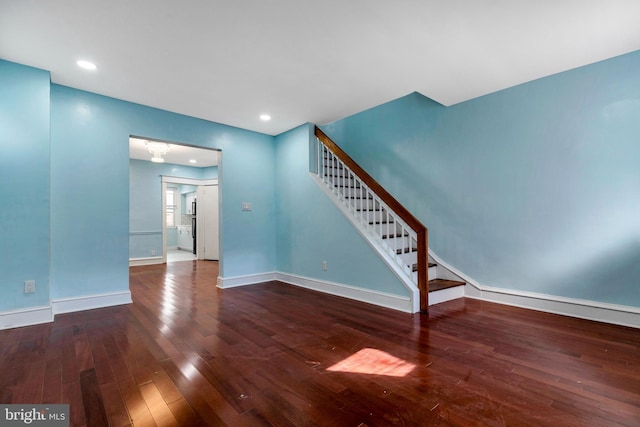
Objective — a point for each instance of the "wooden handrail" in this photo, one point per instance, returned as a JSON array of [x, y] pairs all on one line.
[[398, 208]]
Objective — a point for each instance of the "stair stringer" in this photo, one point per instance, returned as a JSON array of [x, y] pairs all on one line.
[[371, 239], [446, 271]]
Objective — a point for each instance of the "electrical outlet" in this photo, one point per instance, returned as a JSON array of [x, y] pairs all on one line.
[[153, 252], [324, 265], [29, 286], [246, 206]]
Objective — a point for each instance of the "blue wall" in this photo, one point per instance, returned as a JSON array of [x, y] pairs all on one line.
[[64, 157], [210, 172], [24, 185], [90, 173], [247, 174], [311, 229], [534, 188]]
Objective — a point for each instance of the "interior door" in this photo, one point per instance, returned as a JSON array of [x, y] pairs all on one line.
[[208, 219]]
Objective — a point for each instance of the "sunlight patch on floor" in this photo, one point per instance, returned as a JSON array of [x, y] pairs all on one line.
[[373, 362]]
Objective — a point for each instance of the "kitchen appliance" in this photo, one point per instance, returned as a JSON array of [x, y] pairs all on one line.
[[193, 225]]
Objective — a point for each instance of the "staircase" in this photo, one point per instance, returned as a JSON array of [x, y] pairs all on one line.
[[398, 237]]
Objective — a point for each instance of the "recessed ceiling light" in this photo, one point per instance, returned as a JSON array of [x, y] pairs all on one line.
[[86, 65], [193, 161], [265, 117]]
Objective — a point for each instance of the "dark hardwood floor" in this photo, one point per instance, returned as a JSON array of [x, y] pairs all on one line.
[[186, 353]]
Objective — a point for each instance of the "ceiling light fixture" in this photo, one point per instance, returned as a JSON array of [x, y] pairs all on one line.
[[86, 65], [265, 117], [158, 149], [193, 161]]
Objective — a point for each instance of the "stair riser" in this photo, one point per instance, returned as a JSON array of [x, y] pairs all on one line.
[[432, 273], [332, 171], [361, 204], [431, 276], [398, 242], [409, 258], [377, 216]]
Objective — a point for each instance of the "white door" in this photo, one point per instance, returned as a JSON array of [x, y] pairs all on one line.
[[207, 227]]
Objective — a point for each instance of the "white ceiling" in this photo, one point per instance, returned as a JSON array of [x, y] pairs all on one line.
[[178, 154], [308, 61]]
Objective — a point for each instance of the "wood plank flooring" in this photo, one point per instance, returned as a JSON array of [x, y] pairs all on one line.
[[188, 354]]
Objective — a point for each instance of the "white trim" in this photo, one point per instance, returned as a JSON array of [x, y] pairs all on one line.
[[379, 298], [45, 314], [583, 309], [89, 302], [382, 299], [444, 295], [251, 279], [452, 270], [133, 262], [163, 215], [25, 317], [189, 181]]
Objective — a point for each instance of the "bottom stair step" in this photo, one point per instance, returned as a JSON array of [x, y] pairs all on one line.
[[442, 290], [439, 284]]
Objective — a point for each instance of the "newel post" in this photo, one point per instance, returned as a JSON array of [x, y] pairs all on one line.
[[423, 269]]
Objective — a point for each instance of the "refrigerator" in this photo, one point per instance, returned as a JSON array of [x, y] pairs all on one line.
[[193, 225]]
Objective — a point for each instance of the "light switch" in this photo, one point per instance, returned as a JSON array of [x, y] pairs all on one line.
[[246, 206], [29, 286]]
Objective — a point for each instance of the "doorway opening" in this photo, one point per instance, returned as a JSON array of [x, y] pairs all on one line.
[[190, 219], [173, 202]]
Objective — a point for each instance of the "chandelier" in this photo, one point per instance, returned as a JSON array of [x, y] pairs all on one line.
[[157, 149]]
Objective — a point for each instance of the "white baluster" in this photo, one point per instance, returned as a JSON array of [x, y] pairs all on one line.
[[370, 209]]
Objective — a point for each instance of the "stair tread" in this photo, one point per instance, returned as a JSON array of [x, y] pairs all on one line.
[[439, 284], [406, 251], [393, 236], [414, 267], [355, 187]]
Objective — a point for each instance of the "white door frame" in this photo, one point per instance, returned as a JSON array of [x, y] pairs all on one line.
[[208, 222]]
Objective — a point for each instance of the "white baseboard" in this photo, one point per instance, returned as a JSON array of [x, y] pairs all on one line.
[[134, 262], [583, 309], [45, 314], [251, 279], [383, 299], [25, 317], [89, 302]]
